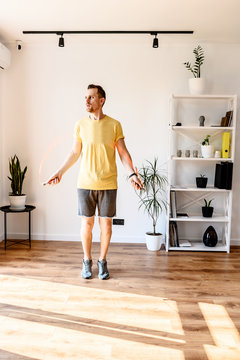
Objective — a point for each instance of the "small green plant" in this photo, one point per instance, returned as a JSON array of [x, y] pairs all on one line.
[[199, 58], [17, 175], [206, 140], [202, 175], [207, 203], [153, 195]]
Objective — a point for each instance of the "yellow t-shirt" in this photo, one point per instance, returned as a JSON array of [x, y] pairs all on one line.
[[98, 170]]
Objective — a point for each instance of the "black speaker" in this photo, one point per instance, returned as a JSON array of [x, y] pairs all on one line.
[[223, 175]]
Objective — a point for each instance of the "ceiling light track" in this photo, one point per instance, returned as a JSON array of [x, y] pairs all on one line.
[[154, 33]]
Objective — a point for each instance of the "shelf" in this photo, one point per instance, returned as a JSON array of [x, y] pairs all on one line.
[[194, 188], [222, 219], [199, 246], [182, 190], [206, 96], [201, 128], [191, 158]]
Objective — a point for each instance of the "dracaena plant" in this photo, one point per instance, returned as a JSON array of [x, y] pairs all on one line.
[[153, 195], [17, 175], [199, 58]]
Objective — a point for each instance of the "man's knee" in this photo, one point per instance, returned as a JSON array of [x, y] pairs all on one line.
[[105, 224], [87, 223]]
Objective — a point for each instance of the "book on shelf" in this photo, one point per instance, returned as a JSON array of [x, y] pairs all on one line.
[[184, 243], [227, 119], [173, 234], [173, 204], [229, 115], [182, 215]]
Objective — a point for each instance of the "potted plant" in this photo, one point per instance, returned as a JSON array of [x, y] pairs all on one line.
[[201, 181], [196, 84], [207, 210], [16, 198], [153, 200], [206, 148]]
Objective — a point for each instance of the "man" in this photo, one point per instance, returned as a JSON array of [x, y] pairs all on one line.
[[96, 137]]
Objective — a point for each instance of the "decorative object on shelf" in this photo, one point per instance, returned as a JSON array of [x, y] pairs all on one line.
[[225, 144], [207, 210], [16, 198], [195, 153], [210, 237], [206, 148], [201, 181], [217, 154], [196, 84], [179, 153], [201, 120], [153, 199], [187, 153], [178, 124]]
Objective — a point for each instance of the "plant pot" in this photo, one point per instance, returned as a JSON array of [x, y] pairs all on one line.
[[210, 237], [153, 241], [196, 86], [201, 182], [207, 211], [17, 202], [207, 151]]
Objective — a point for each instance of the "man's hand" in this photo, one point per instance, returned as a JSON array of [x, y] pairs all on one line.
[[136, 181], [55, 179]]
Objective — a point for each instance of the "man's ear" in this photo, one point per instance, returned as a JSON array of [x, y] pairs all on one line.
[[102, 101]]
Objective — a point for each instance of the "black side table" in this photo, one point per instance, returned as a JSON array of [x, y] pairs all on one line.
[[6, 210]]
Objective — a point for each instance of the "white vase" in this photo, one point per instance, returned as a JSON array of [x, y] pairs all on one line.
[[207, 151], [153, 242], [17, 202], [196, 86]]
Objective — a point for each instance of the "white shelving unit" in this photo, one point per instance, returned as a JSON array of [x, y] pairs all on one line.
[[183, 170]]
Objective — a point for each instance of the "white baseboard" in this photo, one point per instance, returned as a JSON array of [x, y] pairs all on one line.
[[66, 237]]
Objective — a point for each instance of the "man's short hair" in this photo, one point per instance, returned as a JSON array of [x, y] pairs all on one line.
[[101, 91]]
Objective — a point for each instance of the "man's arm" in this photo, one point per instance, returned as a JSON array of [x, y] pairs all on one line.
[[70, 160], [126, 160]]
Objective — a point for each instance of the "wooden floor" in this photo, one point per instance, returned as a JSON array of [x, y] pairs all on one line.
[[156, 305]]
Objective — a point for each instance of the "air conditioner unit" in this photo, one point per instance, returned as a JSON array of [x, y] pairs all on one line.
[[5, 57]]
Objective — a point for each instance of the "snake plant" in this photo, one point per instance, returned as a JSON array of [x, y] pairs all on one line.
[[17, 175]]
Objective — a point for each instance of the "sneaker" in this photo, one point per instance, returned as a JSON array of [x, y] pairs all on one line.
[[87, 269], [103, 270]]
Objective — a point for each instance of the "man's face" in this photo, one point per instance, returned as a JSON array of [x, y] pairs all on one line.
[[93, 102]]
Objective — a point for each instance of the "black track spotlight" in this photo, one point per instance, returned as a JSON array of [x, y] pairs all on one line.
[[61, 41], [155, 41]]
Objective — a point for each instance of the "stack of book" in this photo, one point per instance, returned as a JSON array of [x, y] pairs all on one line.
[[173, 229], [227, 120]]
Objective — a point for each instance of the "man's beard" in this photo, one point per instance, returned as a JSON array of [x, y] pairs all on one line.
[[89, 109]]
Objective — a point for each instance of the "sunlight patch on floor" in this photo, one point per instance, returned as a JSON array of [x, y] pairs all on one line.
[[145, 312], [49, 342], [47, 320], [223, 332]]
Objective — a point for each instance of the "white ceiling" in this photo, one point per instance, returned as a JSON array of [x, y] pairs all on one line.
[[211, 20]]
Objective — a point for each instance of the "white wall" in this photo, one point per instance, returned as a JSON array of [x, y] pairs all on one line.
[[2, 77], [45, 97]]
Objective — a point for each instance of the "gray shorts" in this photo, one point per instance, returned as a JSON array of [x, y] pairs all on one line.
[[104, 200]]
